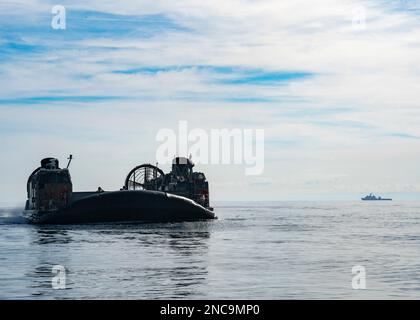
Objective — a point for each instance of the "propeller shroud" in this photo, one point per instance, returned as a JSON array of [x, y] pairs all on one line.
[[144, 177]]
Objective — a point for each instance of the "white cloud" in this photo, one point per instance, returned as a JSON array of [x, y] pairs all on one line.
[[337, 132]]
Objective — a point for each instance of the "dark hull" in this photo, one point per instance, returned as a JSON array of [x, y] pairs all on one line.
[[376, 199], [124, 206]]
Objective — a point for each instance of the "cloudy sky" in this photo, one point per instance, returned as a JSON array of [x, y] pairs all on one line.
[[335, 84]]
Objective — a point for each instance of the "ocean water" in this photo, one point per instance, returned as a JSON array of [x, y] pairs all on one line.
[[266, 250]]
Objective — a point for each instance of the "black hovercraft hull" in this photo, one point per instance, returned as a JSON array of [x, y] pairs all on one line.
[[124, 206]]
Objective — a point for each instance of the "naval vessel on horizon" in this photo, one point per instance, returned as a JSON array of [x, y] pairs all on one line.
[[372, 197]]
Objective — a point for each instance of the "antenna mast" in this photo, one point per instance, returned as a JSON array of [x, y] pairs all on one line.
[[69, 158]]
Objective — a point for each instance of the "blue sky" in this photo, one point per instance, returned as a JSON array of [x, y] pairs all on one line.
[[339, 104]]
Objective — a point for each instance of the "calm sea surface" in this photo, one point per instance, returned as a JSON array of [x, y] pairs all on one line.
[[270, 250]]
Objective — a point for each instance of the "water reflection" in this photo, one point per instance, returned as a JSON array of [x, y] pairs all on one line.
[[50, 235], [46, 243], [131, 260]]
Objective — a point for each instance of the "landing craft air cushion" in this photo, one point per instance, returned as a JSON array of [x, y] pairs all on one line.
[[148, 195]]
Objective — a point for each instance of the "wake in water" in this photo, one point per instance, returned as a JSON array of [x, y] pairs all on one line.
[[11, 216]]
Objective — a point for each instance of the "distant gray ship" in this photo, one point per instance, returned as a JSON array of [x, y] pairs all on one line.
[[372, 197]]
